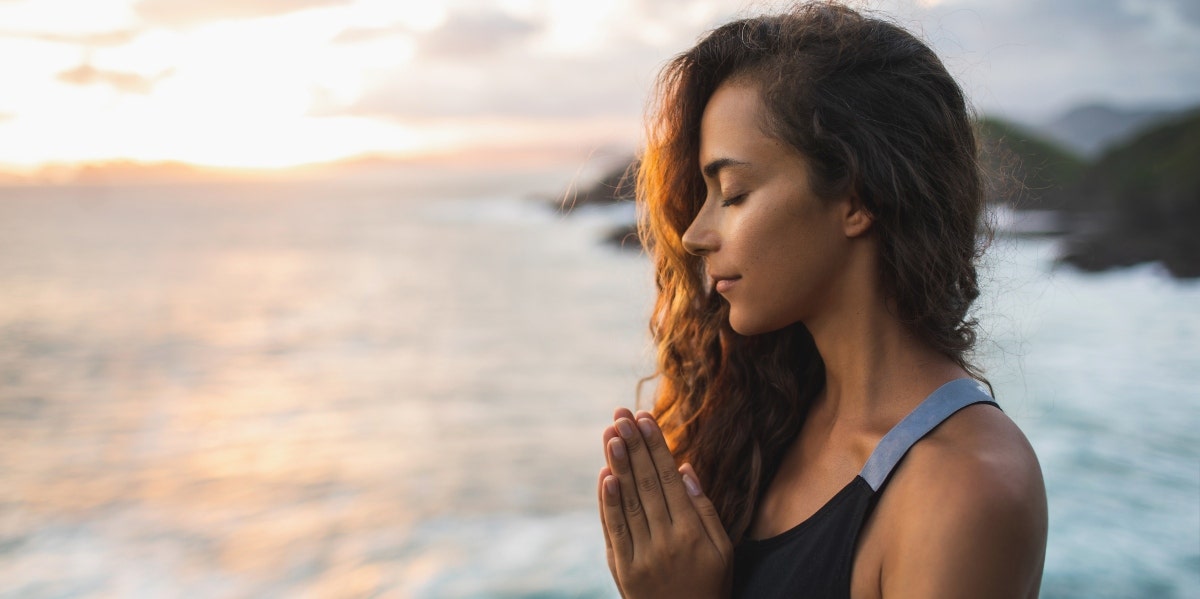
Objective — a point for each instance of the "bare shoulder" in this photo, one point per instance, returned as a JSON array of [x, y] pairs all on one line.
[[978, 455], [967, 512]]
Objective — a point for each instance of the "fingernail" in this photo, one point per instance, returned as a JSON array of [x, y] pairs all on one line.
[[646, 426], [617, 448], [610, 485], [624, 428], [693, 488]]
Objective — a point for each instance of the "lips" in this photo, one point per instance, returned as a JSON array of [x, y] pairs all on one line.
[[722, 284]]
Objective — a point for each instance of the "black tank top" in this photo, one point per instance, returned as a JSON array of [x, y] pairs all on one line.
[[814, 559]]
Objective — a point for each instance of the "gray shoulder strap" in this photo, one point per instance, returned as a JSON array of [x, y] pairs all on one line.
[[940, 405]]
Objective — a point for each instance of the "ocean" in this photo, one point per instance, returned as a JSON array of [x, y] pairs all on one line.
[[397, 390]]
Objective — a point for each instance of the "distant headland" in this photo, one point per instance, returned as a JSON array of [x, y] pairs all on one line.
[[1118, 187]]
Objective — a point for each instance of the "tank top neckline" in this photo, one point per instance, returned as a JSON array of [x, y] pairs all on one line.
[[826, 508], [954, 395]]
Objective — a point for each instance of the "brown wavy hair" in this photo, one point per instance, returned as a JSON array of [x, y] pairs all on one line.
[[877, 116]]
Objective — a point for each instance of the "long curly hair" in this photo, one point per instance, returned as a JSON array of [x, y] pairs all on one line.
[[877, 115]]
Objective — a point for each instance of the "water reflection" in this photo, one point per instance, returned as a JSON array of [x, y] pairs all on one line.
[[206, 396], [292, 391]]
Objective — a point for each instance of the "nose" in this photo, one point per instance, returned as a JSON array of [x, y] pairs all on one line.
[[700, 238]]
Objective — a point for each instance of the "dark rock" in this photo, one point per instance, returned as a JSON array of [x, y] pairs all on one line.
[[624, 237], [1141, 203], [619, 184], [1024, 170]]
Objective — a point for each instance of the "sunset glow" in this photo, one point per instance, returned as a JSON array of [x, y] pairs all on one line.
[[232, 93], [273, 83], [236, 84]]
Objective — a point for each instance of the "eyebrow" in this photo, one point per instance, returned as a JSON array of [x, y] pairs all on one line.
[[712, 169]]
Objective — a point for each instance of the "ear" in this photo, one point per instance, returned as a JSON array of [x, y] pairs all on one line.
[[856, 219]]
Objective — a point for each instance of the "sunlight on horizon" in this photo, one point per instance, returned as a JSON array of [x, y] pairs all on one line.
[[250, 85], [274, 84]]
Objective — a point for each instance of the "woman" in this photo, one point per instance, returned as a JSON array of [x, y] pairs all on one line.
[[811, 199]]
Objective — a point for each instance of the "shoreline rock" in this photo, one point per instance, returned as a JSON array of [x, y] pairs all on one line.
[[1137, 202], [617, 185], [1140, 202]]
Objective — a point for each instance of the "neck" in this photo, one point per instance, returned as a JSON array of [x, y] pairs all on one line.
[[876, 370]]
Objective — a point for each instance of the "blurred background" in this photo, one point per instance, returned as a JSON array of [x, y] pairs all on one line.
[[328, 298]]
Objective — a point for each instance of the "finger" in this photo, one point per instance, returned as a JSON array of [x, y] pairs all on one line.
[[616, 528], [635, 512], [609, 434], [643, 476], [605, 472], [707, 511], [674, 494], [611, 456]]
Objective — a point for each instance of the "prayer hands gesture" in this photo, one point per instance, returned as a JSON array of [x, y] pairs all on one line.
[[663, 536]]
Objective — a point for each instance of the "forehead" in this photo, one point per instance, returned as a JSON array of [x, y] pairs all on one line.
[[732, 126]]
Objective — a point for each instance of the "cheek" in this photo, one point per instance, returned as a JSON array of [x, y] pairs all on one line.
[[754, 232], [772, 262], [790, 266], [770, 245]]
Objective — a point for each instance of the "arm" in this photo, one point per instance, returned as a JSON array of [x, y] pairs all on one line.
[[973, 527], [662, 535]]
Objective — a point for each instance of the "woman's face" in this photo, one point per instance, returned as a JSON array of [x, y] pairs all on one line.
[[774, 250]]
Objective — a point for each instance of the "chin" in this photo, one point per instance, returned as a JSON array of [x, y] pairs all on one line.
[[748, 327]]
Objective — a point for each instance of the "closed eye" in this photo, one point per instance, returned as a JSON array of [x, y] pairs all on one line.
[[735, 200]]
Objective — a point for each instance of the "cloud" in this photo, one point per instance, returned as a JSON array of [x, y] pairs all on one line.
[[98, 39], [471, 35], [130, 83], [512, 80], [182, 13], [494, 64], [1188, 10], [1033, 59], [550, 89], [356, 35], [1025, 58]]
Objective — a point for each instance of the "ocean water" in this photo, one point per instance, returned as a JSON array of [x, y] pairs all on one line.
[[301, 390]]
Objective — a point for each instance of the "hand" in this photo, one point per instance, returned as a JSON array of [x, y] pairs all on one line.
[[663, 536]]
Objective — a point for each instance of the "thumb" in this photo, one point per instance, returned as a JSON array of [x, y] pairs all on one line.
[[708, 512]]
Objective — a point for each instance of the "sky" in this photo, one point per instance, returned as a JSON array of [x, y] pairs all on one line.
[[278, 83]]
